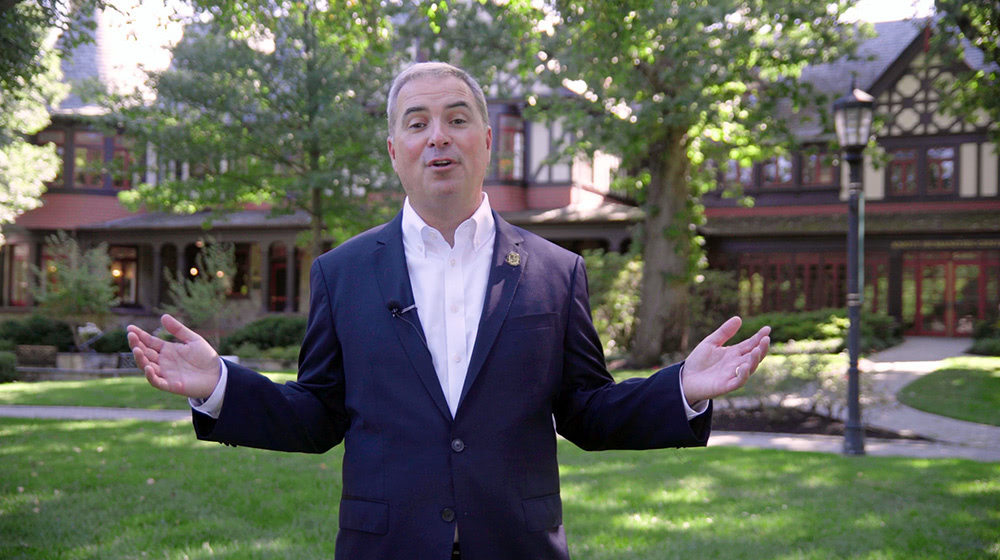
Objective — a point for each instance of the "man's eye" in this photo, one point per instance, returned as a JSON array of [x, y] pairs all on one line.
[[417, 125], [458, 121]]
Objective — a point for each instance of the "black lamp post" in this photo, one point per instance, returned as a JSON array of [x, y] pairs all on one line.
[[853, 118]]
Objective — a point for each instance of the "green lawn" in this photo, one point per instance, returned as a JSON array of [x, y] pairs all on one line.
[[965, 388], [127, 489], [122, 392]]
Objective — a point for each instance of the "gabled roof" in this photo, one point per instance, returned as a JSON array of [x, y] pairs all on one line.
[[874, 56]]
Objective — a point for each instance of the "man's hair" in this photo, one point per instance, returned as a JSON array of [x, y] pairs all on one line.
[[436, 70]]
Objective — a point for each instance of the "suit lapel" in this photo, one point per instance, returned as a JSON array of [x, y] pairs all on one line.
[[505, 275], [394, 284]]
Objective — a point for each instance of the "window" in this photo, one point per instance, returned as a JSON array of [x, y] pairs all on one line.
[[922, 171], [19, 277], [121, 163], [941, 170], [903, 172], [124, 264], [88, 160], [738, 175], [510, 149], [819, 169], [776, 172]]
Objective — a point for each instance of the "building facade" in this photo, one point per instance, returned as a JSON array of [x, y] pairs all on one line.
[[932, 210]]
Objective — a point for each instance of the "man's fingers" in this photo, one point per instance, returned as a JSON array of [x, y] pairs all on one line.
[[178, 329], [143, 337], [754, 341], [724, 332]]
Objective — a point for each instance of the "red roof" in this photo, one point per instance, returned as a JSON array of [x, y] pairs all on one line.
[[70, 210]]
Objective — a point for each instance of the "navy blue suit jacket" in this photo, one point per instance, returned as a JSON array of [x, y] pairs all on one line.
[[411, 472]]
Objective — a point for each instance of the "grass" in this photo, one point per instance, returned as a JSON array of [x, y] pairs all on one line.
[[128, 489], [965, 388], [121, 392]]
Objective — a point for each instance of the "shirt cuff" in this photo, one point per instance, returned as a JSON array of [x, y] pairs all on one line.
[[695, 409], [212, 406]]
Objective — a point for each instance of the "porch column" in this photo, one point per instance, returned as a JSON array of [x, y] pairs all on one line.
[[157, 274], [290, 276], [265, 276]]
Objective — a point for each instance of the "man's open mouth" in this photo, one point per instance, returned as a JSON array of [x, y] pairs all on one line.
[[439, 163]]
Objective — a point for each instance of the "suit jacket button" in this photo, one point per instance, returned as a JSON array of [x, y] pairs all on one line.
[[457, 445], [448, 515]]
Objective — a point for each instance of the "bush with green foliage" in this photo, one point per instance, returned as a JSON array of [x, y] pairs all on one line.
[[8, 367], [36, 329], [267, 332], [877, 331], [986, 339], [112, 341], [614, 280]]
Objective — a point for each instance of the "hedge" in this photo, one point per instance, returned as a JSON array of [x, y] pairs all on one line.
[[877, 331], [37, 329], [268, 332]]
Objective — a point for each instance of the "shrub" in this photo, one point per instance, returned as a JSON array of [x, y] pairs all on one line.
[[877, 331], [986, 346], [112, 341], [8, 367], [289, 353], [7, 345], [714, 298], [247, 350], [268, 332], [37, 329], [614, 280]]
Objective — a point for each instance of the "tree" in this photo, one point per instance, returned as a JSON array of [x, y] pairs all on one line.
[[29, 83], [976, 92], [270, 103], [202, 299], [76, 285], [667, 86]]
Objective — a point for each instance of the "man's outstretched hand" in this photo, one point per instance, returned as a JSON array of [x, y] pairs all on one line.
[[712, 370], [189, 366]]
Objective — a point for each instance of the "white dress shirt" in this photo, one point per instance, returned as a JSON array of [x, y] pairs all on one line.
[[449, 287]]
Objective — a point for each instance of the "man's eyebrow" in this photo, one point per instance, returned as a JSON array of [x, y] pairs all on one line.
[[421, 108]]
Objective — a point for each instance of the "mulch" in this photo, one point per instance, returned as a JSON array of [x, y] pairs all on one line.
[[790, 421]]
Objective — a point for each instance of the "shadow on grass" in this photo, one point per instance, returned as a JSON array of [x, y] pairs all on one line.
[[717, 503], [120, 489]]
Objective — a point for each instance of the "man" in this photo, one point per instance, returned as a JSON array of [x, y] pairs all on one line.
[[440, 348]]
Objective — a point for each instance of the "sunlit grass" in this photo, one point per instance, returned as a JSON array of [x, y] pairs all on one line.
[[102, 489], [965, 388], [121, 392]]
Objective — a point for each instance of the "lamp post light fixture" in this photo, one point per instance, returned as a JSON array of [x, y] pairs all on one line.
[[853, 115]]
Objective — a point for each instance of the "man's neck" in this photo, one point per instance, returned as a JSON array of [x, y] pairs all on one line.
[[445, 220]]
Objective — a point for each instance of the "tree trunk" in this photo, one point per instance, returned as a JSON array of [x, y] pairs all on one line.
[[663, 308]]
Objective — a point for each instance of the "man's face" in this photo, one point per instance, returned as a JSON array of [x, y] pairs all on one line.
[[440, 146]]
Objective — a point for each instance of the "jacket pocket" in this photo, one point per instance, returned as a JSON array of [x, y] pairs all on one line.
[[364, 515], [542, 513], [529, 322]]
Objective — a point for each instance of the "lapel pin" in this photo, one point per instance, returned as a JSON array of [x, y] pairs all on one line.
[[513, 259]]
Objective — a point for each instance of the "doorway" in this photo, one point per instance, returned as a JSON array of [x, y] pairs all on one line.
[[945, 293]]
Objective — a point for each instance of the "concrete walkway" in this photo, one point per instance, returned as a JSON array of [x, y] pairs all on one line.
[[891, 370]]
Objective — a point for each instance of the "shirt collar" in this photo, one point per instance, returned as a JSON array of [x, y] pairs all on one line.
[[482, 224]]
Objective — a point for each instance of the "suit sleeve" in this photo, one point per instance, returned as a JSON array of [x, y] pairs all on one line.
[[596, 413], [306, 415]]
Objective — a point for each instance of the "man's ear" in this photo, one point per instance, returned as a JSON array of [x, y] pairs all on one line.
[[489, 138], [392, 151]]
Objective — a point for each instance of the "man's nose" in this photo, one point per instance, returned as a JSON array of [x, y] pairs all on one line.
[[439, 136]]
